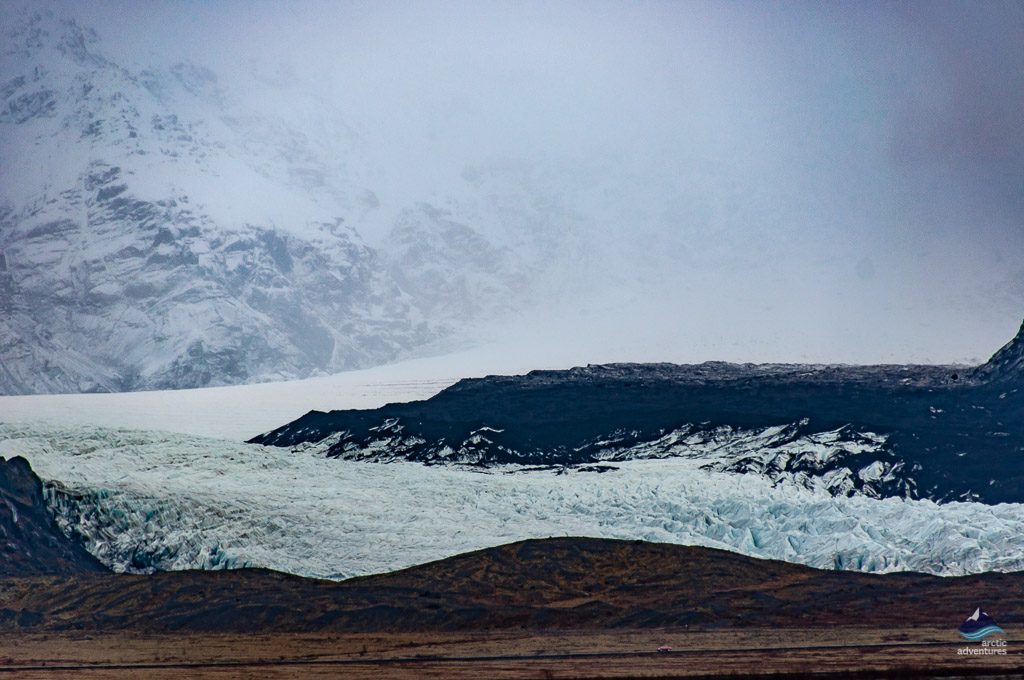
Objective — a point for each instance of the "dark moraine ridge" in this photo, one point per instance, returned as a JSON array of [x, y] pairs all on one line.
[[939, 432], [537, 584]]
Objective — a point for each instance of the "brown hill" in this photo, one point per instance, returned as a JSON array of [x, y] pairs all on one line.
[[551, 583]]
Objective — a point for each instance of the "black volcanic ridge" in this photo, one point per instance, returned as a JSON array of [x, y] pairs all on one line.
[[939, 432]]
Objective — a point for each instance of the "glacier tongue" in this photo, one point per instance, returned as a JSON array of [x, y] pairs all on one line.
[[145, 500]]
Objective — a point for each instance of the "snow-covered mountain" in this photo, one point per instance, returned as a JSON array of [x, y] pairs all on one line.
[[157, 231]]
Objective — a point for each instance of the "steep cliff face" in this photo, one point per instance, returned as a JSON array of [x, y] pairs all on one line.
[[30, 541], [1007, 364]]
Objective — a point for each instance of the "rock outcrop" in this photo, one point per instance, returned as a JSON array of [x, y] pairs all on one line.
[[30, 541]]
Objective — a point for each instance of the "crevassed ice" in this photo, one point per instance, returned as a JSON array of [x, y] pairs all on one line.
[[146, 500]]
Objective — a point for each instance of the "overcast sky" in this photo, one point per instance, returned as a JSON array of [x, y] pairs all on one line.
[[829, 181]]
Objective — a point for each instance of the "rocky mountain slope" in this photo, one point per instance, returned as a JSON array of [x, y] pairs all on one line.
[[158, 232], [1006, 365], [938, 432], [30, 541]]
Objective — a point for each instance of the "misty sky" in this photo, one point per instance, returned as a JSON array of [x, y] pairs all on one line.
[[754, 181]]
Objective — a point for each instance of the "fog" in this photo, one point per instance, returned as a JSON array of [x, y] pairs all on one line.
[[743, 181]]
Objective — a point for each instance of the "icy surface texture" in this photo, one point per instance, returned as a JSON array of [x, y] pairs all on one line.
[[148, 500]]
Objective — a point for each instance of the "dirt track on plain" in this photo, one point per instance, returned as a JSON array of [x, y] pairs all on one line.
[[852, 652]]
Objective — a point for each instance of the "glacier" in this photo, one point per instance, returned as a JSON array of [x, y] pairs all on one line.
[[149, 500]]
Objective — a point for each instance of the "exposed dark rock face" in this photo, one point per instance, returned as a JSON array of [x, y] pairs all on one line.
[[1006, 365], [937, 432], [30, 541]]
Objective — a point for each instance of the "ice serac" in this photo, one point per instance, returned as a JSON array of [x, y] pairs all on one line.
[[30, 540], [157, 233]]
